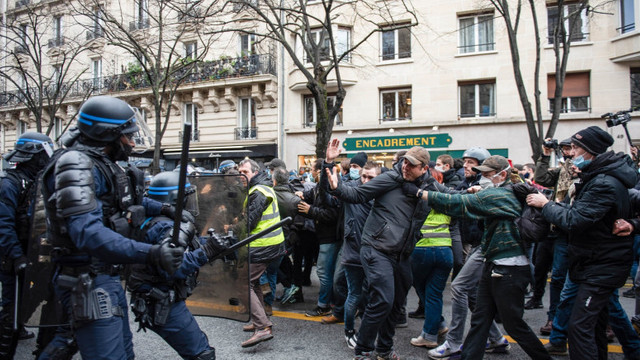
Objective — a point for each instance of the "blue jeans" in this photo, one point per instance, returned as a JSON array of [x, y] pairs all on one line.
[[340, 288], [563, 312], [326, 267], [355, 279], [558, 275], [431, 266], [270, 276], [108, 338]]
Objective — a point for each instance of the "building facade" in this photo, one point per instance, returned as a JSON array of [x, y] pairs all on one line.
[[446, 83]]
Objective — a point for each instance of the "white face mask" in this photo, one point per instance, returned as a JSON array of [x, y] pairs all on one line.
[[485, 183], [439, 168]]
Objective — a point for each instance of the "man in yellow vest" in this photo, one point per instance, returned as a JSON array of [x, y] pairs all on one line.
[[262, 212]]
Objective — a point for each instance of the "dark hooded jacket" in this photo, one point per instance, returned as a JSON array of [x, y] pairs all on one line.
[[596, 256], [395, 219]]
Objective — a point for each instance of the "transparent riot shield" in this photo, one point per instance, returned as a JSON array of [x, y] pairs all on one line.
[[223, 285], [38, 305]]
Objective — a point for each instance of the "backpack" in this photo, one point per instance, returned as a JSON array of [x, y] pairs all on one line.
[[532, 226]]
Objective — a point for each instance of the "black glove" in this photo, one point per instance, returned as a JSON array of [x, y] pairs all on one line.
[[170, 212], [166, 256], [213, 247], [19, 264], [410, 189], [187, 232]]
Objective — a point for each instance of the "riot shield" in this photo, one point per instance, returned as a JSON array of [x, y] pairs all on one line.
[[38, 305], [223, 285]]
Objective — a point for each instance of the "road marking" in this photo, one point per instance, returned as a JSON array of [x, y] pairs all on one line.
[[617, 349]]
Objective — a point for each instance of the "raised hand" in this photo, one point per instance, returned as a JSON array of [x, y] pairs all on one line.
[[332, 177], [333, 150]]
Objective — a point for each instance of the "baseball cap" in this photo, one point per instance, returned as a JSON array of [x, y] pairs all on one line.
[[493, 163], [417, 155]]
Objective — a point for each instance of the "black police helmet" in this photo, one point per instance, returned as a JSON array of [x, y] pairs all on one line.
[[164, 187], [28, 145], [105, 119], [227, 165]]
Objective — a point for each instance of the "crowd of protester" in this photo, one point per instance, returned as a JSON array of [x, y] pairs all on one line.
[[374, 233]]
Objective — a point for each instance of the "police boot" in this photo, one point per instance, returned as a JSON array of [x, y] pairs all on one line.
[[207, 355]]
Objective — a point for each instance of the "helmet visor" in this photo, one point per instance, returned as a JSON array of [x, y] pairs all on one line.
[[143, 137], [191, 200]]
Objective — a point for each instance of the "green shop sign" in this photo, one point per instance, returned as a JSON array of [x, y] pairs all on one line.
[[397, 142]]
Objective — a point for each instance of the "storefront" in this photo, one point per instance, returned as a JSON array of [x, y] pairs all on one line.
[[381, 149], [210, 159]]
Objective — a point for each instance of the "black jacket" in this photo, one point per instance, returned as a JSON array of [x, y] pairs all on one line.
[[451, 178], [597, 256], [287, 205], [470, 230], [324, 211], [394, 219]]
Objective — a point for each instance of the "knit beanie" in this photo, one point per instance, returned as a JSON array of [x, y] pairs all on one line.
[[593, 139], [359, 159]]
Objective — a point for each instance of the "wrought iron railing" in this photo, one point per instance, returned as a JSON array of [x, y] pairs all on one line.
[[198, 72], [139, 24], [243, 133], [94, 34], [56, 42]]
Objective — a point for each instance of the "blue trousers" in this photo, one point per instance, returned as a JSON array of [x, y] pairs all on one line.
[[182, 332], [109, 338], [326, 266], [430, 267], [270, 276], [355, 279]]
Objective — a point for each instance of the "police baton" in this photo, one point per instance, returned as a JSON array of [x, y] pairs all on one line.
[[182, 179], [256, 236]]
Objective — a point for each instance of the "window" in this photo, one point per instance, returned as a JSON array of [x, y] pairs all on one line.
[[191, 50], [21, 128], [57, 28], [395, 104], [575, 21], [396, 43], [23, 33], [96, 24], [58, 125], [96, 73], [191, 115], [342, 39], [627, 16], [311, 113], [477, 98], [142, 14], [247, 44], [476, 34], [247, 119], [575, 92], [635, 86]]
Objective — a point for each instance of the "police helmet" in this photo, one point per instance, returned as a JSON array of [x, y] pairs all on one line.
[[227, 165], [105, 119], [478, 153], [28, 145], [164, 188]]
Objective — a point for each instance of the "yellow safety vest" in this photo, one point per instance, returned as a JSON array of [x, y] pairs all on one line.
[[270, 216], [435, 230]]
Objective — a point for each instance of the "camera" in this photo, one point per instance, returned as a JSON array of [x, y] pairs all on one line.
[[551, 144], [619, 118]]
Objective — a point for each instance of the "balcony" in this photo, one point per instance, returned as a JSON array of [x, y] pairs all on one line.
[[139, 24], [55, 42], [94, 34], [243, 133], [20, 49], [241, 5]]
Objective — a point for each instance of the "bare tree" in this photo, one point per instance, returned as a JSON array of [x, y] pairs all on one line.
[[40, 65], [561, 38], [312, 27], [155, 37]]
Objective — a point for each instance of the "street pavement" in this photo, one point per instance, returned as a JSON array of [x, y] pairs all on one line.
[[299, 337]]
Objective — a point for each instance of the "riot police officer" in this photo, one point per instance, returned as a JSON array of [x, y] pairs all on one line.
[[157, 299], [88, 198], [17, 195]]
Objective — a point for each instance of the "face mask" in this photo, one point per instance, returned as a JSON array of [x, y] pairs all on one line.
[[485, 183], [526, 176], [439, 168], [354, 174], [580, 162]]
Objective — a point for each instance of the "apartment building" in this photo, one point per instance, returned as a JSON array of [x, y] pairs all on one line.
[[446, 83]]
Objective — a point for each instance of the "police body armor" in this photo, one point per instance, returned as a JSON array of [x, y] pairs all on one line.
[[75, 194], [152, 293], [23, 219]]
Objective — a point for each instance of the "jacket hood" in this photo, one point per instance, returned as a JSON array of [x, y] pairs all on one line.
[[617, 165]]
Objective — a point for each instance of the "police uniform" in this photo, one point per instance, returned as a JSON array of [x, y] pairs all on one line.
[[87, 197]]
